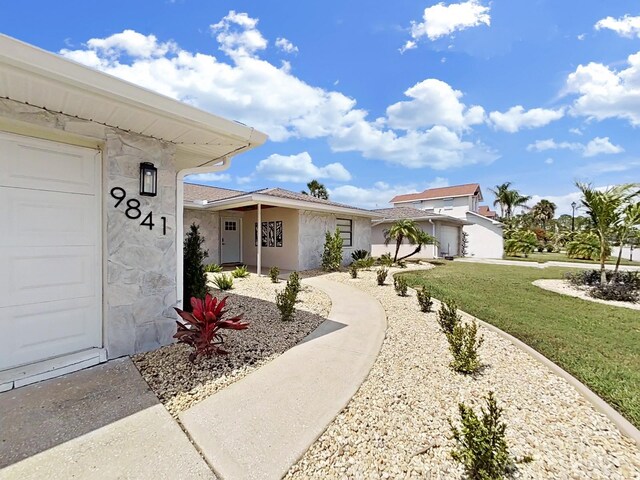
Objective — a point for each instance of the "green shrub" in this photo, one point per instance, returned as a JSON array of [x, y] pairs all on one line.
[[521, 242], [194, 278], [401, 264], [463, 345], [240, 272], [223, 281], [353, 270], [294, 283], [619, 292], [286, 301], [359, 255], [213, 268], [332, 253], [381, 275], [550, 249], [481, 445], [273, 274], [424, 299], [448, 316], [365, 263], [585, 246], [385, 260], [401, 286]]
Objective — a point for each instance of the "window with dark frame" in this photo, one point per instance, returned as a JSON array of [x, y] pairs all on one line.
[[345, 226]]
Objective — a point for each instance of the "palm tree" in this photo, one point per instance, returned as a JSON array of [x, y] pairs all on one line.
[[500, 193], [605, 209], [409, 230], [508, 199], [316, 189], [630, 220], [543, 211]]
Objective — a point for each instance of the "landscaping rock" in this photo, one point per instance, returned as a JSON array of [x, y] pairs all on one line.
[[396, 426], [179, 384]]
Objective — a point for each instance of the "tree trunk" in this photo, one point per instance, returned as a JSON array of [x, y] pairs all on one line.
[[603, 258], [417, 250], [398, 243]]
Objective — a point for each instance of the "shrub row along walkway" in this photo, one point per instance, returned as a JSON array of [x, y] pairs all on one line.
[[258, 427]]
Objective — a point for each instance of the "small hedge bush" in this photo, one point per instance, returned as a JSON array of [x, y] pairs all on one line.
[[401, 286], [448, 316], [424, 299], [273, 274], [213, 268], [353, 270], [240, 272], [223, 282], [381, 275], [463, 345]]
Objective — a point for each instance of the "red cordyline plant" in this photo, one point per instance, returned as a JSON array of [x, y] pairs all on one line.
[[201, 328]]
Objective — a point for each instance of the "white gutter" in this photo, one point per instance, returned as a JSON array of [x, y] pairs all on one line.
[[218, 167], [433, 234]]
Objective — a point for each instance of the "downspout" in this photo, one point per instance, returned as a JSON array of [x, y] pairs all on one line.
[[218, 167], [433, 234]]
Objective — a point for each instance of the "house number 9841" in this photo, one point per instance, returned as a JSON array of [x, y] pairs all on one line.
[[132, 210]]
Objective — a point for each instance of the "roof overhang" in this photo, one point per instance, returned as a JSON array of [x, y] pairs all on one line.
[[431, 218], [42, 79], [257, 198], [494, 222]]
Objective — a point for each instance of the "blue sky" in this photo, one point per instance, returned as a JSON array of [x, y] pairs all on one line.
[[377, 99]]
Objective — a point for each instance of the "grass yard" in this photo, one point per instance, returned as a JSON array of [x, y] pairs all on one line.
[[598, 344], [542, 257]]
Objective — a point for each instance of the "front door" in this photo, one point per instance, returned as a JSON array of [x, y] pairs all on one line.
[[230, 240]]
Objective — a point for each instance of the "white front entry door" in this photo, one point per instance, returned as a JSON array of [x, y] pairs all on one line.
[[230, 229], [50, 250]]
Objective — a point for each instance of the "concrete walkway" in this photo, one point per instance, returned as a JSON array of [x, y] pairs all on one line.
[[98, 423], [517, 263], [258, 427]]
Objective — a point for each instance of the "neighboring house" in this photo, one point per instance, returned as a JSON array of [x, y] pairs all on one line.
[[91, 266], [447, 231], [463, 202], [272, 227]]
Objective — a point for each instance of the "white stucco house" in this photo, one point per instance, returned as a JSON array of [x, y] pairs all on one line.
[[445, 229], [485, 238], [91, 211], [272, 226]]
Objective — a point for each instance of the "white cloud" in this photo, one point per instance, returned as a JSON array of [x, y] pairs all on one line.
[[597, 146], [606, 93], [433, 102], [549, 161], [209, 177], [298, 168], [238, 36], [551, 144], [626, 26], [516, 118], [379, 194], [575, 131], [563, 202], [441, 20], [253, 91], [581, 36], [285, 45], [409, 45], [609, 167]]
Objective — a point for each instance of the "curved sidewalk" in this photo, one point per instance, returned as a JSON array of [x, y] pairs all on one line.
[[258, 427]]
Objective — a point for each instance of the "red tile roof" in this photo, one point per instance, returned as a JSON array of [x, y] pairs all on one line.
[[442, 192], [485, 211]]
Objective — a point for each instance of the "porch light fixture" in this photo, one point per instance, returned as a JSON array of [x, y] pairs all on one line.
[[148, 179]]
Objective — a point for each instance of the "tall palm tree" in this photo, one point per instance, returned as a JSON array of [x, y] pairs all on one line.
[[409, 230], [630, 220], [513, 199], [605, 209], [316, 189], [543, 211], [500, 194]]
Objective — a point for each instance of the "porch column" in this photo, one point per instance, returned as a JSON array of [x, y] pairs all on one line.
[[259, 260], [435, 246]]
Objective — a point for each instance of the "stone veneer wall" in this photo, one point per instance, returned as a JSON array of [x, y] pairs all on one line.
[[312, 229], [209, 223], [140, 266]]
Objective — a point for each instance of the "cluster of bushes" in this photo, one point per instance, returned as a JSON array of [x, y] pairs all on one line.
[[286, 299], [619, 286]]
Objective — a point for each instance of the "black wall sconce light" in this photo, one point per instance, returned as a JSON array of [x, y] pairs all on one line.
[[148, 179]]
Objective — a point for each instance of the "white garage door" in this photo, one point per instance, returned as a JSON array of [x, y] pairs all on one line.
[[50, 250], [448, 239]]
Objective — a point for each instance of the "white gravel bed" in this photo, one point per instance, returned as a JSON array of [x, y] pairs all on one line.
[[396, 426], [564, 287], [179, 384]]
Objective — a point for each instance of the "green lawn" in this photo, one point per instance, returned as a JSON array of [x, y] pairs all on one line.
[[542, 257], [598, 344]]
